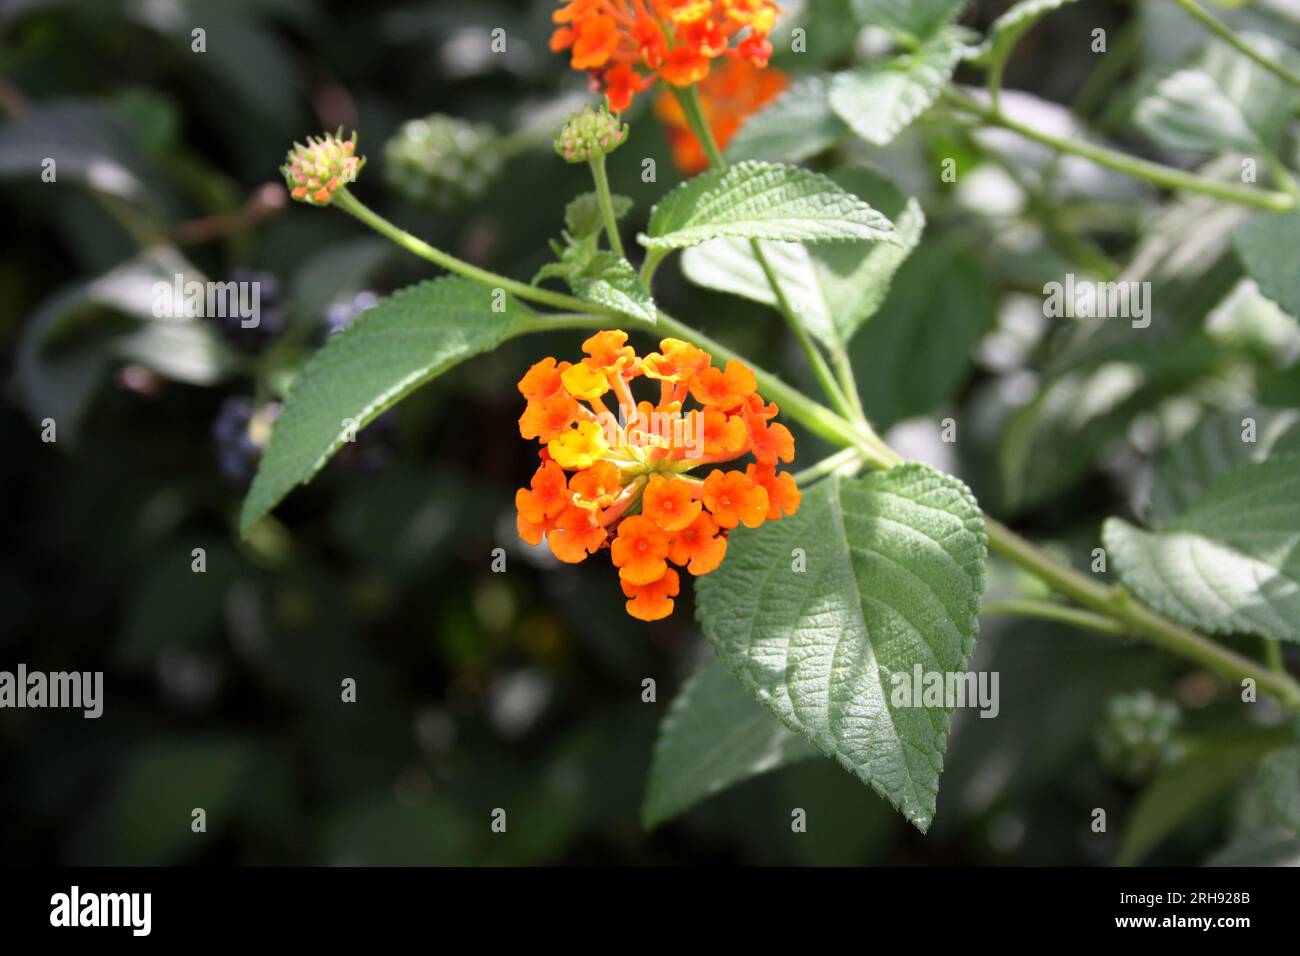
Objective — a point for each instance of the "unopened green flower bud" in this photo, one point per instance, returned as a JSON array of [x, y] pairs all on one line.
[[317, 171], [1137, 735], [590, 134], [442, 161]]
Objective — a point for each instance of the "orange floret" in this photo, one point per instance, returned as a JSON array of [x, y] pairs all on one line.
[[653, 601], [698, 545], [724, 389], [782, 493], [732, 499], [576, 534], [639, 550], [670, 503]]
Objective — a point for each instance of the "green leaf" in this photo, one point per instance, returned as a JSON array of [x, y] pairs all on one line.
[[714, 736], [610, 280], [882, 97], [1186, 788], [1050, 443], [833, 288], [894, 572], [797, 125], [1224, 102], [1231, 562], [600, 277], [1217, 445], [1266, 246], [390, 350], [67, 347], [914, 18], [753, 200], [915, 352], [583, 218]]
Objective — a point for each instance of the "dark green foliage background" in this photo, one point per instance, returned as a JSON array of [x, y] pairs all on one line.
[[476, 690]]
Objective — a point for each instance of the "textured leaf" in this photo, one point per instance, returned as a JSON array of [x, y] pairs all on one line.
[[894, 573], [834, 288], [583, 218], [914, 353], [916, 18], [1224, 102], [1266, 245], [1230, 562], [795, 126], [407, 339], [714, 736], [610, 280], [1214, 447], [753, 200], [882, 97]]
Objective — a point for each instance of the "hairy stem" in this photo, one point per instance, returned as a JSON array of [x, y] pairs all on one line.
[[1053, 611], [606, 204], [689, 99], [1156, 173], [840, 461]]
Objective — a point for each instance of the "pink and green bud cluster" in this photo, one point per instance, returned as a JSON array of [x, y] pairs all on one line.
[[317, 171], [590, 134]]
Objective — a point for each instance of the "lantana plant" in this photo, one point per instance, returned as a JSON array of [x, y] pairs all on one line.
[[661, 447]]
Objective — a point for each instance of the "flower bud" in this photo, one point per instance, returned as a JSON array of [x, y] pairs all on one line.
[[1137, 735], [442, 161], [315, 172], [590, 134]]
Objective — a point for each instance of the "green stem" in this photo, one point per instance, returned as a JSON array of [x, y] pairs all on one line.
[[1052, 611], [848, 384], [689, 99], [1273, 655], [597, 164], [829, 465], [1228, 36], [1156, 173], [1138, 619], [350, 204]]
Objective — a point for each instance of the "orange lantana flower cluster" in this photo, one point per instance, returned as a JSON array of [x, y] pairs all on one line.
[[623, 480], [626, 44], [729, 96]]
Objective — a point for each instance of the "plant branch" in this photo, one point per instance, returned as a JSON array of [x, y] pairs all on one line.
[[832, 464], [689, 99], [597, 164], [1137, 619], [1114, 603], [1054, 611], [1229, 36], [1156, 173]]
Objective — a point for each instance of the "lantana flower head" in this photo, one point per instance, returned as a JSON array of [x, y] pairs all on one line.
[[642, 479], [625, 45], [317, 171]]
